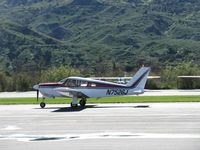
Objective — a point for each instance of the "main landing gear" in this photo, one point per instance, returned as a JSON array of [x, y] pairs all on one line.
[[82, 102], [74, 103]]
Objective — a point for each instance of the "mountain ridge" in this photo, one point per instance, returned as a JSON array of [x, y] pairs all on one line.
[[132, 32]]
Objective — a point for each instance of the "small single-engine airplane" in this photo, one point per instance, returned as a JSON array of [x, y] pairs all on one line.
[[77, 87]]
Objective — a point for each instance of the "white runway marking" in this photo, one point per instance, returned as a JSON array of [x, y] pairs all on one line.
[[11, 128], [105, 135]]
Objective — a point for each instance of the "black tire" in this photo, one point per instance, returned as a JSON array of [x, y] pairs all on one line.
[[82, 103], [42, 104], [74, 105]]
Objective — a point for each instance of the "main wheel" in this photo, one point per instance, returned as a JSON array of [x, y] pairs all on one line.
[[74, 105], [42, 104], [82, 102]]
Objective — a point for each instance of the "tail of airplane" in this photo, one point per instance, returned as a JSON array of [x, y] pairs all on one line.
[[139, 79]]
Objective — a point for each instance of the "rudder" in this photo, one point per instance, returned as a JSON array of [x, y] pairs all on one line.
[[139, 79]]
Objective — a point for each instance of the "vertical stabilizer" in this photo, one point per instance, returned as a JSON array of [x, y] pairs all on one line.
[[139, 79]]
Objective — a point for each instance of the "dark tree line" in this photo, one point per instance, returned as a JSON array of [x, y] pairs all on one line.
[[24, 81]]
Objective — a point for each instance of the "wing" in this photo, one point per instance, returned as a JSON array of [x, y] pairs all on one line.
[[69, 92], [116, 78]]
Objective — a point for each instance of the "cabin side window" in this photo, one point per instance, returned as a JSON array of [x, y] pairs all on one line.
[[90, 84], [93, 85], [78, 83], [83, 83], [71, 82]]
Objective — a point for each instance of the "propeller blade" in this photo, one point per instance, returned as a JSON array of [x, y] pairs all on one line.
[[37, 95]]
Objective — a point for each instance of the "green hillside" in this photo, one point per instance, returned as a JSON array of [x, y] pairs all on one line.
[[37, 34]]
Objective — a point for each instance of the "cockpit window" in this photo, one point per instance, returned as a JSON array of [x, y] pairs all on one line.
[[72, 82], [62, 81]]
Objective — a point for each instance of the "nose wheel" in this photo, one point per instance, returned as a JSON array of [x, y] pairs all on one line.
[[42, 104]]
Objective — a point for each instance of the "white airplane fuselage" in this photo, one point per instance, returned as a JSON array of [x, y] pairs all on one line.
[[51, 92]]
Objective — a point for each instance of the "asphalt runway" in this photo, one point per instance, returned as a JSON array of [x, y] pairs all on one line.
[[138, 126]]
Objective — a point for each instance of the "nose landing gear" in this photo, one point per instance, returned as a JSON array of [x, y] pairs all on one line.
[[42, 104]]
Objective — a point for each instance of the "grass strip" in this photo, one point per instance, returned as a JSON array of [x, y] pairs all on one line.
[[120, 99]]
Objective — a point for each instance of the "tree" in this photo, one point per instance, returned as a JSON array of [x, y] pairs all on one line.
[[188, 69], [55, 74], [3, 81], [170, 73]]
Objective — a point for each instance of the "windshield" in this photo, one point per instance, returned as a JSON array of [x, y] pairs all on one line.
[[62, 81]]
